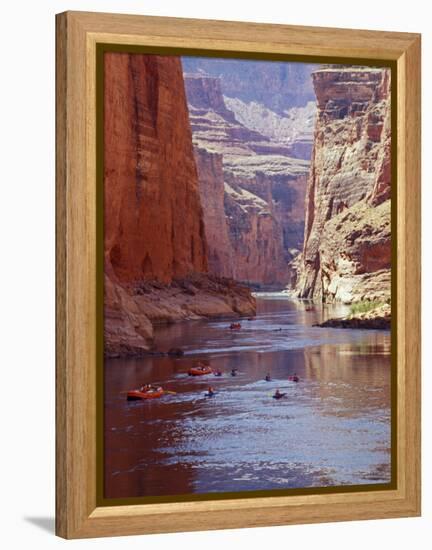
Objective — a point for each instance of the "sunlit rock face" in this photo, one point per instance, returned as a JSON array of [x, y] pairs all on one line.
[[154, 236], [293, 130], [347, 241], [252, 188], [277, 86]]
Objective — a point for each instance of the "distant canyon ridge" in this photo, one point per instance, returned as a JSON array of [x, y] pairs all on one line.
[[226, 175], [252, 129]]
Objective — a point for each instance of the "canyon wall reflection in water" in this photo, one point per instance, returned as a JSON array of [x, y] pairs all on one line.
[[332, 428]]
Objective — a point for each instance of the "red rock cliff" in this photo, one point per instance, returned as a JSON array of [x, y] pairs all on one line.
[[211, 182], [150, 172], [155, 242], [347, 244]]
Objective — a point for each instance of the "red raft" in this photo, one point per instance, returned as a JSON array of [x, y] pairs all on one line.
[[200, 370], [152, 393]]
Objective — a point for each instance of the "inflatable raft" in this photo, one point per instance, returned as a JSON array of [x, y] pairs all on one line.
[[199, 371], [135, 395]]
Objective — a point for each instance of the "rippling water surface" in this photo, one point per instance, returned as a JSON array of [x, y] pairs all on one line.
[[332, 428]]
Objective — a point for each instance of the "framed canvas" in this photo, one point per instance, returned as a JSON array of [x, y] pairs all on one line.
[[238, 274]]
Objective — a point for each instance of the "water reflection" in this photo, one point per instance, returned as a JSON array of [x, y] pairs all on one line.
[[332, 428]]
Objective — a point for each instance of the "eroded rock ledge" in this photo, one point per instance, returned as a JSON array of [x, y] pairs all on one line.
[[132, 310]]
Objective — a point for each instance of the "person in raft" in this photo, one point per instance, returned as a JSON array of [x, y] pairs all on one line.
[[148, 388], [202, 365]]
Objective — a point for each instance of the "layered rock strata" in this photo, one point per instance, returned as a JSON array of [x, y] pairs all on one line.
[[153, 219], [278, 86], [347, 242], [252, 190], [294, 129]]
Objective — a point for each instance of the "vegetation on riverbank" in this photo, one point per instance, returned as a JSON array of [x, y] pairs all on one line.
[[368, 315], [365, 307]]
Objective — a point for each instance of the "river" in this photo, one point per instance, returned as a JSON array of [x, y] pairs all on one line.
[[332, 428]]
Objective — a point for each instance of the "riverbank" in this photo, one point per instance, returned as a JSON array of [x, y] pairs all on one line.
[[131, 311], [376, 318]]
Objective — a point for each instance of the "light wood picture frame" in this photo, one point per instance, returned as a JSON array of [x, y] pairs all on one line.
[[78, 270]]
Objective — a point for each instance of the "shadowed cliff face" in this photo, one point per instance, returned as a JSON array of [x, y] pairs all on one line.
[[210, 172], [252, 190], [154, 238], [153, 217], [347, 244]]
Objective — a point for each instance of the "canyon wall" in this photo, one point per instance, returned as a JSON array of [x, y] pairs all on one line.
[[294, 129], [347, 241], [155, 245], [211, 183], [244, 235], [252, 189], [276, 85], [150, 172]]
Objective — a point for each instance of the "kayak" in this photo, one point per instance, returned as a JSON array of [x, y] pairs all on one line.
[[134, 395], [235, 326], [293, 378], [207, 394], [199, 371], [279, 396]]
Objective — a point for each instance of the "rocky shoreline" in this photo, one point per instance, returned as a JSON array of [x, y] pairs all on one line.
[[377, 318], [132, 310]]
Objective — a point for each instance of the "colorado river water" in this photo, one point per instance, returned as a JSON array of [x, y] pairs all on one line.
[[332, 428]]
